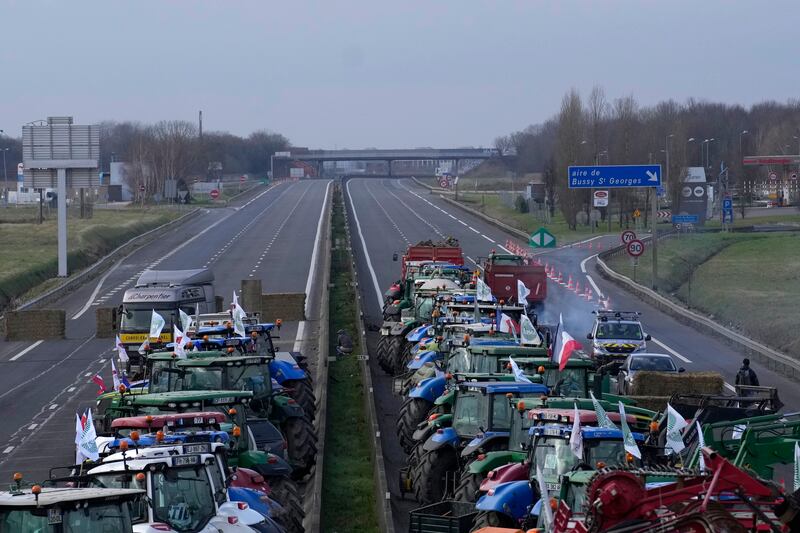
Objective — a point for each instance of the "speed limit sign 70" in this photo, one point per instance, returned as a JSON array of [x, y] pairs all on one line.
[[627, 236], [635, 248]]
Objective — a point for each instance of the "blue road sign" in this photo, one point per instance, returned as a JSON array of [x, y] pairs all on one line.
[[605, 176], [685, 219], [660, 192], [727, 204]]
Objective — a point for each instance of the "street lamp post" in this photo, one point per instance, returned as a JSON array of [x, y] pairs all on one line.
[[689, 140], [5, 173]]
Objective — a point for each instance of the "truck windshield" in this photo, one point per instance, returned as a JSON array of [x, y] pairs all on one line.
[[619, 330], [470, 413], [183, 498], [96, 518], [137, 319]]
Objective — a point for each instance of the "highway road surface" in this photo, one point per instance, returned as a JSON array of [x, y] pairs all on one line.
[[268, 235], [387, 215]]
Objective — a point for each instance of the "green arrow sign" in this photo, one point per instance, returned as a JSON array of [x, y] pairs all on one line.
[[541, 238]]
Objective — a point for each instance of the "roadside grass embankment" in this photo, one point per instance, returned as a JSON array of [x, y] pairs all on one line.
[[747, 282], [348, 502], [30, 255]]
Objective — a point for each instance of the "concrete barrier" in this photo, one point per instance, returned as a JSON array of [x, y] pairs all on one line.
[[34, 325], [105, 322], [251, 296], [288, 306]]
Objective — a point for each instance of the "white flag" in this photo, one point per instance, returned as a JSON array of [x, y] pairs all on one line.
[[238, 320], [157, 324], [115, 375], [518, 375], [627, 437], [527, 332], [522, 293], [186, 320], [548, 512], [507, 325], [121, 351], [78, 434], [144, 347], [602, 417], [796, 466], [179, 342], [576, 438], [484, 293], [87, 446], [701, 443], [234, 301], [675, 425]]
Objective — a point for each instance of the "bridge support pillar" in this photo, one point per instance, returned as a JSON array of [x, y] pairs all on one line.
[[389, 166]]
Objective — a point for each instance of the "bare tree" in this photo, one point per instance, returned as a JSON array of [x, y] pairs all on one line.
[[570, 135]]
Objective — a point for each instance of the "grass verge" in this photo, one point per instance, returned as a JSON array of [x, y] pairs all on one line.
[[348, 496], [747, 282], [30, 255]]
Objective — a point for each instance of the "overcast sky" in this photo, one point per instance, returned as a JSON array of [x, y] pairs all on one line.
[[409, 73]]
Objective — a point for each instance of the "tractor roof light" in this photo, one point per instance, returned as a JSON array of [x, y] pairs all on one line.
[[140, 477], [122, 388], [123, 446], [279, 323], [553, 504], [230, 349], [135, 436], [237, 431], [190, 345], [433, 417], [17, 477], [205, 338], [520, 406], [654, 427], [541, 369], [159, 436], [600, 464], [36, 490], [448, 376], [629, 457], [232, 412]]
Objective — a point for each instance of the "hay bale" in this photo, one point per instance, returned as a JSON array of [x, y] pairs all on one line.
[[654, 403], [646, 383]]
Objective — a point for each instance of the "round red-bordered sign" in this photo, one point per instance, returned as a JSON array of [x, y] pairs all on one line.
[[635, 248], [214, 194], [627, 236]]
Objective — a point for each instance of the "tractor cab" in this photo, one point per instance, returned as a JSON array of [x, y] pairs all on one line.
[[37, 509]]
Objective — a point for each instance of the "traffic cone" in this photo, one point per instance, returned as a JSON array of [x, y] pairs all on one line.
[[560, 278], [607, 303], [588, 294], [590, 245], [578, 288], [570, 286], [599, 245]]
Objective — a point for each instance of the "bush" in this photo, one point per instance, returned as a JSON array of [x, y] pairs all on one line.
[[521, 204]]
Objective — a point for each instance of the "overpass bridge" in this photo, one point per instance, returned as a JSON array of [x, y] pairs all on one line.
[[282, 161]]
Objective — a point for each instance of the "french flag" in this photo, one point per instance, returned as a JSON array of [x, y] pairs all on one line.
[[98, 380], [564, 345]]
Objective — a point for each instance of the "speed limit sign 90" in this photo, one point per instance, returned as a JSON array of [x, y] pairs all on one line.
[[635, 248]]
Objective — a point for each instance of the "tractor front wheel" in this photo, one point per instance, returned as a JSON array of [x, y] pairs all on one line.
[[412, 412], [393, 353], [468, 486], [430, 485], [382, 353], [492, 519], [302, 445]]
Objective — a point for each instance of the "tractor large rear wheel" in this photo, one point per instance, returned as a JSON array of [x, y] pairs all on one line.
[[302, 445], [401, 365], [430, 485], [492, 519], [382, 353], [468, 486], [302, 392], [284, 491], [412, 412], [393, 351]]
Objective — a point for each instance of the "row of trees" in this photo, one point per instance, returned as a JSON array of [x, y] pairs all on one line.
[[169, 149], [596, 130]]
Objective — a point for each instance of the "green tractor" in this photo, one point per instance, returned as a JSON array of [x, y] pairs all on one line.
[[212, 370]]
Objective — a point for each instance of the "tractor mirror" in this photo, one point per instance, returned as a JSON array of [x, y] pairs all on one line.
[[394, 256], [647, 337], [681, 369], [589, 336]]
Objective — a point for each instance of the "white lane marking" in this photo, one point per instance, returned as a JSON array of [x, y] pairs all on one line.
[[378, 293], [729, 387], [90, 301], [71, 389], [487, 238], [451, 216], [597, 290], [26, 350], [8, 450], [670, 350], [32, 427], [473, 229], [583, 263], [53, 406], [463, 223]]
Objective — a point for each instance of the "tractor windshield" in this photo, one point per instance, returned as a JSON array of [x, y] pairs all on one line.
[[425, 308], [118, 480], [519, 432], [459, 360], [605, 452], [570, 382], [161, 379], [255, 378], [553, 455], [96, 517], [201, 378], [183, 498], [469, 417]]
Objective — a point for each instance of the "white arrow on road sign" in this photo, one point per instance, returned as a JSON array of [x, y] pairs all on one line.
[[652, 176], [542, 239]]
